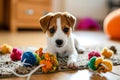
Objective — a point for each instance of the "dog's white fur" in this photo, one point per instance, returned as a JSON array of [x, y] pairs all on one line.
[[69, 47]]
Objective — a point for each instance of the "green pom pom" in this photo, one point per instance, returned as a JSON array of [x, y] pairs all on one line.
[[37, 58], [91, 63]]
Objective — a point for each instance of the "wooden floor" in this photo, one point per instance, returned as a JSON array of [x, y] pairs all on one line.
[[37, 39]]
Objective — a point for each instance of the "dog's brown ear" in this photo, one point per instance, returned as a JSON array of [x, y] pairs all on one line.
[[45, 21], [71, 19]]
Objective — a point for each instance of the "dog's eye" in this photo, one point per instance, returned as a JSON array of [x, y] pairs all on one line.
[[52, 30], [66, 30]]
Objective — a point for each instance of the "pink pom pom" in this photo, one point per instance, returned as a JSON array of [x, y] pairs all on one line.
[[93, 53], [16, 54]]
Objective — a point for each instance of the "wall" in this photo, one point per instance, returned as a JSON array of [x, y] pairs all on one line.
[[1, 11], [96, 9], [58, 5]]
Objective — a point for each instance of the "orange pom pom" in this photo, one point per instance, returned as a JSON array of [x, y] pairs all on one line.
[[50, 62], [47, 67], [39, 52]]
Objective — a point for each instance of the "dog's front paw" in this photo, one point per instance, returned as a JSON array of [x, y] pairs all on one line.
[[72, 63], [81, 50]]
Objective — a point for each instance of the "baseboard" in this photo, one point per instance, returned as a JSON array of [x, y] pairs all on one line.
[[3, 27]]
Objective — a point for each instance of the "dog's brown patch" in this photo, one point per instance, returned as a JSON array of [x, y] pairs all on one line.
[[44, 22], [50, 25]]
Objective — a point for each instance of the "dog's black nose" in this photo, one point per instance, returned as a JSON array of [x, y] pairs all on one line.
[[59, 42]]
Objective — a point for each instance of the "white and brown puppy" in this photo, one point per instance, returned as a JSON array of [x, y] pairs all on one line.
[[58, 28]]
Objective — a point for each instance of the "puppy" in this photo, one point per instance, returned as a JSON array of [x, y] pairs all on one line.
[[58, 28]]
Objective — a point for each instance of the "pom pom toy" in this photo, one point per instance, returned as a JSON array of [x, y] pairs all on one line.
[[93, 53], [29, 58], [5, 48], [50, 62], [37, 58], [100, 65], [91, 63], [39, 52], [107, 53], [16, 54]]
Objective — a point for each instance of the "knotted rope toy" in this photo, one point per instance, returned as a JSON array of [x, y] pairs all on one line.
[[47, 61], [5, 48], [99, 64]]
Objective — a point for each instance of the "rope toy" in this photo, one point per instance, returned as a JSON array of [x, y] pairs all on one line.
[[47, 61], [5, 48], [100, 65], [16, 54], [93, 53], [107, 53], [97, 63]]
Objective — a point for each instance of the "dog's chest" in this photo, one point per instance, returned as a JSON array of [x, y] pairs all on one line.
[[62, 52]]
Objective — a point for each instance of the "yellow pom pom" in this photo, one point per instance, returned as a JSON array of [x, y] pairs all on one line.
[[107, 53], [98, 61], [5, 48]]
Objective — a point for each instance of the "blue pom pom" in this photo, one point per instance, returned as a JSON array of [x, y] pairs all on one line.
[[29, 58]]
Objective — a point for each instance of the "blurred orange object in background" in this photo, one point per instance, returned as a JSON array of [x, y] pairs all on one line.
[[112, 24]]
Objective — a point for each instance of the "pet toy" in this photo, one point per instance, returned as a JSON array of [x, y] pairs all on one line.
[[107, 53], [48, 62], [16, 54], [93, 53], [37, 58], [5, 48], [39, 52], [100, 65], [29, 58]]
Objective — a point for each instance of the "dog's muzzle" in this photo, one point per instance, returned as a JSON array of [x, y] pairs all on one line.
[[59, 42]]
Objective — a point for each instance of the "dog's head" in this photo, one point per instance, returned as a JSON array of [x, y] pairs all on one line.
[[58, 27]]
